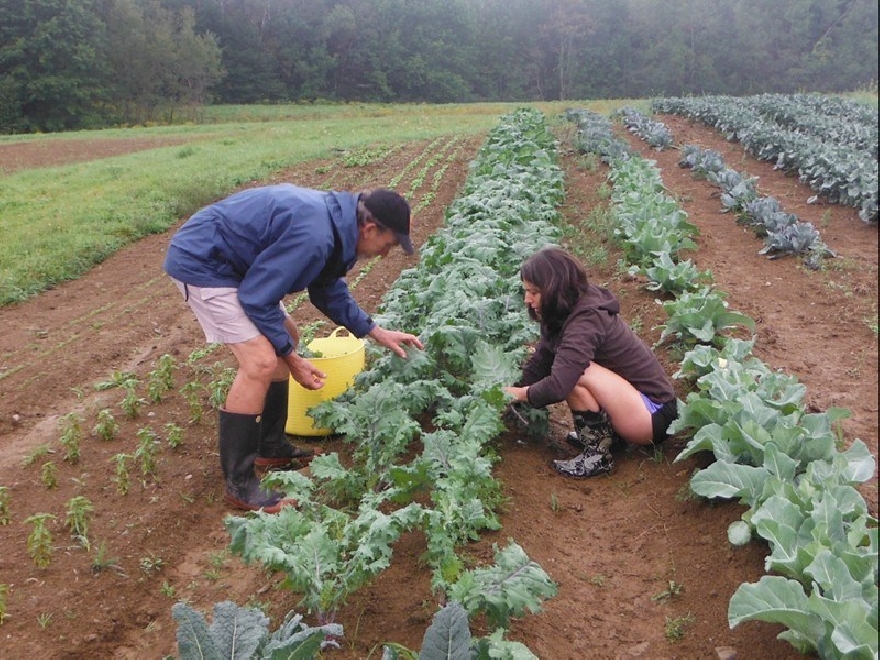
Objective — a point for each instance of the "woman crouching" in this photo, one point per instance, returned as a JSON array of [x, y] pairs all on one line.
[[591, 359]]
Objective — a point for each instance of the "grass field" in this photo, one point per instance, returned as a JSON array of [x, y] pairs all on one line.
[[58, 222]]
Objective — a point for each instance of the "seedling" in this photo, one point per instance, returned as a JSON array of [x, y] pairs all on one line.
[[106, 428], [554, 503], [146, 451], [44, 619], [167, 589], [218, 559], [102, 562], [174, 434], [161, 379], [39, 541], [657, 455], [219, 387], [78, 510], [151, 564], [4, 592], [131, 404], [685, 494], [192, 392], [673, 589], [120, 473], [118, 379], [598, 580], [676, 628], [34, 454], [4, 505], [213, 574], [71, 435], [49, 475]]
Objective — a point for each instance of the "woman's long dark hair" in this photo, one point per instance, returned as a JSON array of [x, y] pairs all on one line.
[[560, 278]]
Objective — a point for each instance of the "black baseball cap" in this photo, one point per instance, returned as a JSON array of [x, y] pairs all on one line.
[[392, 211]]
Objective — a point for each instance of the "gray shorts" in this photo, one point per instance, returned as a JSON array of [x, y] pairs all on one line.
[[219, 313]]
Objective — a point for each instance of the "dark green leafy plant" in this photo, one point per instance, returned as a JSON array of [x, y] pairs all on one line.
[[242, 632], [449, 638]]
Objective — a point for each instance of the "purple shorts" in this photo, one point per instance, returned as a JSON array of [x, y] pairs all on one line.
[[650, 405], [662, 415]]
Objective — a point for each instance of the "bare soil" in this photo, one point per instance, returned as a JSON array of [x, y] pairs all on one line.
[[613, 544]]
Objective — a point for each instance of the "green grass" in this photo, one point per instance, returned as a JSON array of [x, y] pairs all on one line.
[[58, 222]]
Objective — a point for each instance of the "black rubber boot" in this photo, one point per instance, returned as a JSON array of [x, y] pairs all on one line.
[[274, 450], [239, 438], [594, 435]]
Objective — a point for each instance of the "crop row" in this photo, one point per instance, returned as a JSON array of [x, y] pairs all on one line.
[[771, 454], [783, 233], [463, 300], [838, 159]]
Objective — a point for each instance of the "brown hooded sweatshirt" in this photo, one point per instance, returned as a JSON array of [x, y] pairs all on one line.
[[593, 332]]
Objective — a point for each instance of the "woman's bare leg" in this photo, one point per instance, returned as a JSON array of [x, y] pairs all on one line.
[[602, 389]]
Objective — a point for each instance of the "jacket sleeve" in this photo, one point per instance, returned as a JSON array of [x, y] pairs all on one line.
[[336, 302], [577, 347], [288, 264], [537, 366]]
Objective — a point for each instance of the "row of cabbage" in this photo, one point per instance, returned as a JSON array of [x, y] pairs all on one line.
[[420, 428], [784, 463], [654, 132], [783, 233], [832, 144]]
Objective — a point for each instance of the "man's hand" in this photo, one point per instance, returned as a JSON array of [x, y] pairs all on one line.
[[394, 340], [304, 372], [519, 394]]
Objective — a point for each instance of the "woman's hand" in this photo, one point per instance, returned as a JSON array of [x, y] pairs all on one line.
[[394, 340], [518, 393]]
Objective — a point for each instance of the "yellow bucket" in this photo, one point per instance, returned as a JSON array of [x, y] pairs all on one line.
[[343, 358]]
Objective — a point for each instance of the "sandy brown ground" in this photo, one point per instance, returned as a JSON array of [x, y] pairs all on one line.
[[612, 543]]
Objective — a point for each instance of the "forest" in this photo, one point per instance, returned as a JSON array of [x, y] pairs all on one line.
[[77, 64]]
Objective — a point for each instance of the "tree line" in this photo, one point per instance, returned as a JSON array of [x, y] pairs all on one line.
[[67, 64]]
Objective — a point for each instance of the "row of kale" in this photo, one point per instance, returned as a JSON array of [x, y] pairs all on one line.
[[421, 428]]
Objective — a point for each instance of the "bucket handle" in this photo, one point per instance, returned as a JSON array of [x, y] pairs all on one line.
[[338, 329]]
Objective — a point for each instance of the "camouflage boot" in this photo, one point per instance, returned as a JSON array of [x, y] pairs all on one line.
[[594, 435]]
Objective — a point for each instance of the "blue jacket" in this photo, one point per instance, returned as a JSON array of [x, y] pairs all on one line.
[[271, 241]]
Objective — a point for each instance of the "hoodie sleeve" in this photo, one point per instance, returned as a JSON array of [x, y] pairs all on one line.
[[537, 366], [335, 301], [581, 334]]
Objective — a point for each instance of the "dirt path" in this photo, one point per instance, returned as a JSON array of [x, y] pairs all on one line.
[[613, 544]]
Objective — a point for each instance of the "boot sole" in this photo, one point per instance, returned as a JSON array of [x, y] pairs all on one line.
[[236, 503]]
